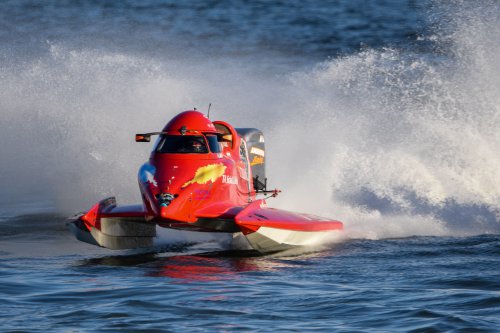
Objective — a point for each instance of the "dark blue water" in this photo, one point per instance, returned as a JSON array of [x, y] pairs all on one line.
[[383, 114], [297, 29], [416, 284]]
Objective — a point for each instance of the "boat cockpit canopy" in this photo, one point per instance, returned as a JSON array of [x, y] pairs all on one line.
[[188, 144]]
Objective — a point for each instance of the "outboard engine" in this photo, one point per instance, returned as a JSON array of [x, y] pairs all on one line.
[[256, 154]]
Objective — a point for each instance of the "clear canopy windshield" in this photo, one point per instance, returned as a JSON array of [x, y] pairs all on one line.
[[187, 144]]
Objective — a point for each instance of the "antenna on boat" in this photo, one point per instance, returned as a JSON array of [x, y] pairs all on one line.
[[208, 112]]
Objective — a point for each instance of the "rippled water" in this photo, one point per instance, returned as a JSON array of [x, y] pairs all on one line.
[[301, 30], [417, 284], [383, 114]]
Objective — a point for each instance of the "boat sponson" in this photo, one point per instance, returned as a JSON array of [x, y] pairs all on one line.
[[272, 230], [116, 233]]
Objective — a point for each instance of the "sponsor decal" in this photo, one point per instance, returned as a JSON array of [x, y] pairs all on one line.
[[151, 178], [229, 180], [147, 174], [257, 151], [200, 194], [208, 173], [257, 160]]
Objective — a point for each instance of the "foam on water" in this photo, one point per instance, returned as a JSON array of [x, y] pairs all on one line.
[[392, 142]]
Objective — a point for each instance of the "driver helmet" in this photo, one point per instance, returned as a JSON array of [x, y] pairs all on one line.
[[197, 146]]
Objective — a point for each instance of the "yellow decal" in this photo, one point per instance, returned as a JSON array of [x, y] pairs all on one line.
[[207, 173], [257, 160]]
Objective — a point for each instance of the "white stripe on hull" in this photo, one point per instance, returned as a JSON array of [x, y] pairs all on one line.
[[268, 240]]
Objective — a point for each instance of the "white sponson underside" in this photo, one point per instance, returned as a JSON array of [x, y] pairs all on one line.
[[271, 239]]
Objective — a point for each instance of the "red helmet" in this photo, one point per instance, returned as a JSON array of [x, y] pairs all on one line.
[[189, 122]]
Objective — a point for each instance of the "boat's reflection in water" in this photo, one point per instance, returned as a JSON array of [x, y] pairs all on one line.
[[212, 266], [208, 266]]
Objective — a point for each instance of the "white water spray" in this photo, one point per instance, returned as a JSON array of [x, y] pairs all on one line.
[[395, 144]]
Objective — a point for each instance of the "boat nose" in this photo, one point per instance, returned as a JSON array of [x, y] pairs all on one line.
[[164, 212]]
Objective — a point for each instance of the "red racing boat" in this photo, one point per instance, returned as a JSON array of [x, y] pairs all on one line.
[[202, 176]]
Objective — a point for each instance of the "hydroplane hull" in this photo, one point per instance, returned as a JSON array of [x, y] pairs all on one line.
[[202, 176], [264, 229]]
